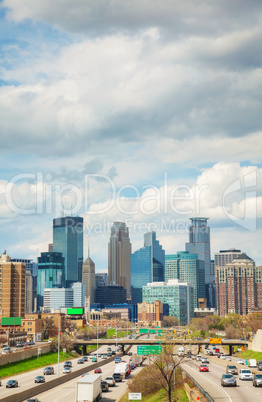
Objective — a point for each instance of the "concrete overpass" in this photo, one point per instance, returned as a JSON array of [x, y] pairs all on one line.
[[130, 342]]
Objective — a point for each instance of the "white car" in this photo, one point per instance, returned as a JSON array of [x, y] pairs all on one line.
[[240, 361], [223, 357], [110, 381], [67, 370], [245, 374], [228, 358], [198, 358]]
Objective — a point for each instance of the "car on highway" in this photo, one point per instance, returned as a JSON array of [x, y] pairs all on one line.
[[48, 370], [94, 360], [113, 353], [110, 381], [67, 370], [80, 361], [228, 380], [203, 367], [104, 356], [31, 343], [39, 379], [257, 380], [109, 349], [109, 354], [85, 358], [240, 361], [104, 386], [12, 384], [222, 356], [228, 358], [245, 374], [68, 363], [231, 369], [204, 360], [33, 400], [198, 358], [97, 370], [217, 350], [117, 377]]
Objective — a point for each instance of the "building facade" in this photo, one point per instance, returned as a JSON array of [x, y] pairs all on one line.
[[226, 256], [147, 265], [101, 279], [110, 295], [68, 240], [79, 294], [51, 274], [119, 252], [150, 313], [12, 287], [56, 299], [177, 294], [29, 293], [239, 286], [89, 278], [187, 267]]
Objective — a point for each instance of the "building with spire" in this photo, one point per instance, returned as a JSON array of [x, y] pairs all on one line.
[[89, 278], [119, 252]]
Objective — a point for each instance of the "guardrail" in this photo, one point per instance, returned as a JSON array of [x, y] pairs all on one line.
[[201, 389]]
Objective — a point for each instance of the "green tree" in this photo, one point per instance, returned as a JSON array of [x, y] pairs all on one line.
[[170, 321]]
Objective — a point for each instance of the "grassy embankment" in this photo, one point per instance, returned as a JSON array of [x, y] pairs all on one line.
[[120, 333], [35, 362], [249, 354]]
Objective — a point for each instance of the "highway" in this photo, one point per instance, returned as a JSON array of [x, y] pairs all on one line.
[[66, 391], [211, 381]]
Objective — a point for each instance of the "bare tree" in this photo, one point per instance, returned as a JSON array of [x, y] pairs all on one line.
[[166, 363]]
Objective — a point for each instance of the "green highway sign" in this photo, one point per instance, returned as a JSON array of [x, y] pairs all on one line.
[[149, 349]]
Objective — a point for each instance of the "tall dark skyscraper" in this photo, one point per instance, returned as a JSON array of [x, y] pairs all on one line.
[[119, 252], [147, 265], [68, 240], [199, 242]]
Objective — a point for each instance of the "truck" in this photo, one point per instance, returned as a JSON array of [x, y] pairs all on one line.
[[88, 388], [137, 359], [123, 368], [252, 363]]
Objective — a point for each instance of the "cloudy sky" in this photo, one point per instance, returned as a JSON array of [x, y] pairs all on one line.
[[139, 111]]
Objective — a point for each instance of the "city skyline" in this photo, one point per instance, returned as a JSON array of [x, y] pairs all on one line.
[[150, 115]]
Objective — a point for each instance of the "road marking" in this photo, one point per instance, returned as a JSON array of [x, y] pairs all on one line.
[[219, 388]]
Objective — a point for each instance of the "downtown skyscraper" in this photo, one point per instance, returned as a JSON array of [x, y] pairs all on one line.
[[147, 265], [68, 240], [199, 242], [119, 252]]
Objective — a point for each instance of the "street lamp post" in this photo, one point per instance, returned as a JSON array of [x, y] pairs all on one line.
[[97, 334], [58, 345]]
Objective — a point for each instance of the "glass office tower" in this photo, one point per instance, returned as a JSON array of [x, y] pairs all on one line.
[[68, 240], [147, 265], [188, 268], [51, 274]]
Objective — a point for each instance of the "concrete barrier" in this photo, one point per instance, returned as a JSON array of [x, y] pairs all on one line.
[[23, 354], [38, 389]]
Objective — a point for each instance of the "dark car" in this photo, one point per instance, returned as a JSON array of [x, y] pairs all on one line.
[[257, 380], [80, 361], [12, 384], [39, 379], [85, 358], [113, 352], [117, 377], [33, 400], [104, 386], [19, 345], [31, 343], [231, 369], [48, 370], [259, 365], [68, 363], [228, 380]]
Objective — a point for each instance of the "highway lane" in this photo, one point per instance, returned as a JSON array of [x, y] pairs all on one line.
[[67, 392], [211, 381], [26, 380]]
